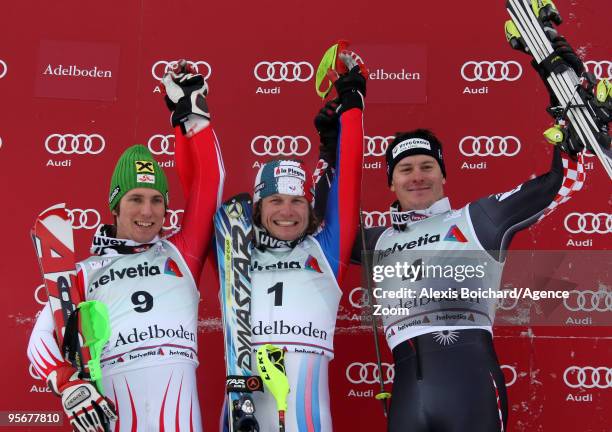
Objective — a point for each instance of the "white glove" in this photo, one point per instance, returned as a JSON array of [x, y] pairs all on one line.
[[85, 407]]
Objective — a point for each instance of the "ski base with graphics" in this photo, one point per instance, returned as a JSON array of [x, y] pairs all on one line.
[[54, 245], [234, 234], [586, 104], [81, 328]]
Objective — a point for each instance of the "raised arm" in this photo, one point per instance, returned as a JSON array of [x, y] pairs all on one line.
[[199, 163], [342, 209], [498, 217]]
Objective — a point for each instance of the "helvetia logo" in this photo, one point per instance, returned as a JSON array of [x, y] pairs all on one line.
[[421, 241], [280, 265], [455, 234], [142, 270]]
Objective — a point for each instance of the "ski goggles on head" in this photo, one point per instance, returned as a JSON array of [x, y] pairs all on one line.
[[286, 177]]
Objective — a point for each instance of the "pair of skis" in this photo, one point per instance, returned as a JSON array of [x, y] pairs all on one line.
[[234, 243], [82, 327], [587, 105]]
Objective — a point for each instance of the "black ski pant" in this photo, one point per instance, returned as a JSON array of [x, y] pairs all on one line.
[[448, 381]]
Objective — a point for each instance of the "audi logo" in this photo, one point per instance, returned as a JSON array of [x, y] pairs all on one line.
[[588, 223], [375, 218], [588, 377], [368, 373], [489, 146], [40, 290], [280, 145], [358, 298], [75, 144], [172, 221], [506, 303], [283, 71], [84, 218], [377, 145], [0, 142], [589, 301], [159, 68], [491, 71], [161, 144], [601, 69], [512, 370], [33, 372], [3, 69]]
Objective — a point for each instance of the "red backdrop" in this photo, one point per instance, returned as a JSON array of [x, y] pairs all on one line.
[[79, 85]]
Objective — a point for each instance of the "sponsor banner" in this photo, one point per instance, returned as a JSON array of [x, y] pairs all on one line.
[[77, 70], [397, 73]]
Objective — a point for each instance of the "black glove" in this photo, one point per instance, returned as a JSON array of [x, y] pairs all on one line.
[[326, 122], [186, 93], [562, 58], [351, 89]]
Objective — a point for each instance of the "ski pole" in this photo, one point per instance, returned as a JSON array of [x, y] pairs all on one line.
[[382, 395]]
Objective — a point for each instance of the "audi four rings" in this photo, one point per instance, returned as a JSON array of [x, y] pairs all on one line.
[[489, 146], [172, 219], [361, 301], [280, 145], [512, 369], [84, 218], [506, 303], [588, 223], [75, 144], [3, 69], [589, 301], [368, 373], [491, 71], [37, 295], [601, 69], [161, 144], [377, 145], [159, 68], [588, 377], [375, 218], [283, 71]]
